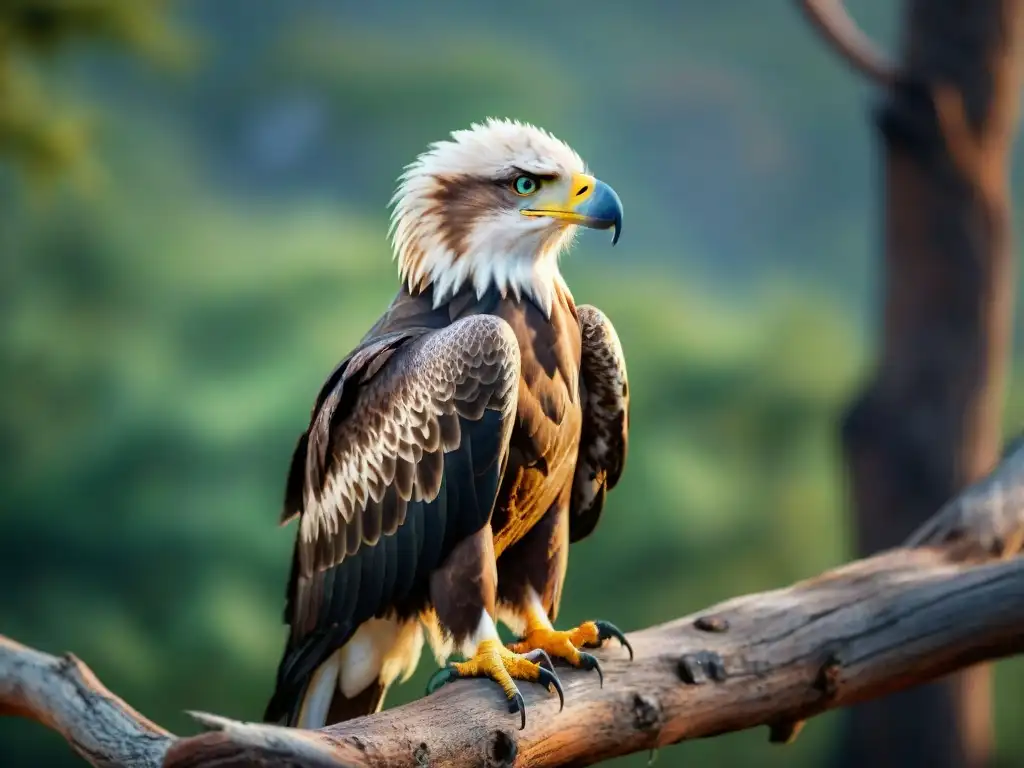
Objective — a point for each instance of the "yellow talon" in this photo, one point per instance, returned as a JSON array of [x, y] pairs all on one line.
[[566, 645], [493, 660], [497, 662], [558, 644]]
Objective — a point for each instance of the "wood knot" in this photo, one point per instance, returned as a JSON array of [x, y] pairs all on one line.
[[828, 676], [711, 624], [66, 663], [646, 712], [422, 755], [501, 750], [697, 668]]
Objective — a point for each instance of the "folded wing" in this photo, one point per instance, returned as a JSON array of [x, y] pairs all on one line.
[[604, 392], [402, 459]]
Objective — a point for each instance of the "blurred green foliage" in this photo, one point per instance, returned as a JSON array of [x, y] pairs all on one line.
[[161, 341], [42, 134]]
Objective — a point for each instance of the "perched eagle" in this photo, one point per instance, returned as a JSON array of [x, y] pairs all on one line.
[[472, 434]]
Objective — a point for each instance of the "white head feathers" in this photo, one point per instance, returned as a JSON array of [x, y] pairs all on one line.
[[456, 217]]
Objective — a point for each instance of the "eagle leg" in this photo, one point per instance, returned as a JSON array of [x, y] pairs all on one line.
[[566, 644], [493, 660]]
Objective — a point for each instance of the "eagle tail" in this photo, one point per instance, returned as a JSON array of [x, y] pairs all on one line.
[[353, 680], [322, 701], [366, 702]]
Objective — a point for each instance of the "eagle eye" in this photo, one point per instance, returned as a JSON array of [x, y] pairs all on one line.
[[525, 185]]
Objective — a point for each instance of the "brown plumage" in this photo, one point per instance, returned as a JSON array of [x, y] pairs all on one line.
[[454, 454]]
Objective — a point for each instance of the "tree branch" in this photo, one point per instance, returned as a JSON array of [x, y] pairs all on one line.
[[839, 30], [861, 631], [64, 694], [773, 658]]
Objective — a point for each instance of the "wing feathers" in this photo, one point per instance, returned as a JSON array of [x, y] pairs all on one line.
[[403, 458], [396, 420], [450, 434], [404, 475], [604, 440]]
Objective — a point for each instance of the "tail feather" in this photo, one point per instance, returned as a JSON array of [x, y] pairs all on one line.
[[323, 701], [351, 681], [312, 707], [366, 703]]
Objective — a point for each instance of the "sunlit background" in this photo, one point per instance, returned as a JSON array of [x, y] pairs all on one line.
[[193, 232]]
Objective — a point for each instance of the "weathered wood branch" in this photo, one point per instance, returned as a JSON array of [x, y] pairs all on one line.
[[839, 30], [874, 626], [774, 658], [63, 694]]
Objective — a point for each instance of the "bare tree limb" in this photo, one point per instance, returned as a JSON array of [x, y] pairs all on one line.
[[858, 632], [63, 694], [774, 658], [839, 30], [861, 631], [869, 628]]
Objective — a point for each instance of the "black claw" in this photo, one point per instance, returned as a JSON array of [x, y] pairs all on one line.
[[540, 657], [606, 630], [516, 704], [550, 680], [441, 677], [589, 662]]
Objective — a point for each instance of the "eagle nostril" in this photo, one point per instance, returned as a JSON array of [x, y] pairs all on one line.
[[582, 189]]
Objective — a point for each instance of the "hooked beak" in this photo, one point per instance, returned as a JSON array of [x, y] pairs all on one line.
[[591, 203]]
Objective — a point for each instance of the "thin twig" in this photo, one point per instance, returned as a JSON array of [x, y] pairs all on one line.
[[838, 28]]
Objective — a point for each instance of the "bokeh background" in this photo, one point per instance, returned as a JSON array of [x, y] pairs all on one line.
[[192, 233]]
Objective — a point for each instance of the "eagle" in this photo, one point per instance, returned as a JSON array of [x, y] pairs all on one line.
[[471, 436]]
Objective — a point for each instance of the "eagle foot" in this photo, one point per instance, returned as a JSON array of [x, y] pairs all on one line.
[[495, 661], [566, 645]]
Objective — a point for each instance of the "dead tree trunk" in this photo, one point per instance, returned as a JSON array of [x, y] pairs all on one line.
[[928, 423]]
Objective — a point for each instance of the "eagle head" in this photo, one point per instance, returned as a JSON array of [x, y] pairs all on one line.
[[494, 206]]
